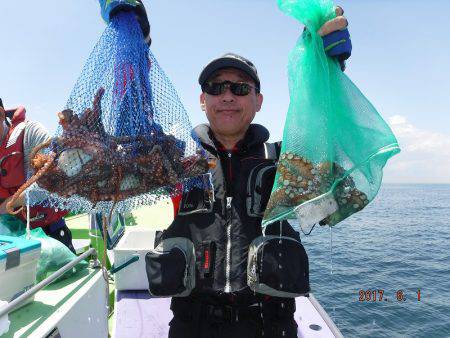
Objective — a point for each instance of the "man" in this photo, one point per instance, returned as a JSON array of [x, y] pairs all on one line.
[[17, 139], [221, 304]]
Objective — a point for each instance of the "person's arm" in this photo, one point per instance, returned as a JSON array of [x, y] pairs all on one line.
[[35, 134]]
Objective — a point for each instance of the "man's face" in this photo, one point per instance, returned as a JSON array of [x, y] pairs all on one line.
[[230, 115]]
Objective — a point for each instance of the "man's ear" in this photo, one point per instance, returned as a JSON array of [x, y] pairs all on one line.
[[259, 101], [202, 102]]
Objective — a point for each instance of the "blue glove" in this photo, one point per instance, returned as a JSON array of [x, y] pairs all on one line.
[[338, 44], [109, 8]]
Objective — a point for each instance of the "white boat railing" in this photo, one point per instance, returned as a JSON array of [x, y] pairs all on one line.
[[23, 297], [331, 325]]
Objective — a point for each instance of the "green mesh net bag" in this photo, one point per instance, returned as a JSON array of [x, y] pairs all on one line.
[[11, 225], [335, 143], [54, 255]]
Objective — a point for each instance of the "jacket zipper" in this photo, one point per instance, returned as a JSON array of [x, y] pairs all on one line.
[[228, 255]]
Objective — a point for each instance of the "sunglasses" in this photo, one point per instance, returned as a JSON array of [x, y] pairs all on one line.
[[218, 88]]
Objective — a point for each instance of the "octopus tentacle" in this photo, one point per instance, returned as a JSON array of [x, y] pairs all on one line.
[[34, 178]]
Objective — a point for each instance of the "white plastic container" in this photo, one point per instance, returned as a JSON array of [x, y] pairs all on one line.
[[18, 263], [135, 242]]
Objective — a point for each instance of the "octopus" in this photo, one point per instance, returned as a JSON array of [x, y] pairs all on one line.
[[299, 180], [86, 161]]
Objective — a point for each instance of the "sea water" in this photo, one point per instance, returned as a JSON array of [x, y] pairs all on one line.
[[387, 272]]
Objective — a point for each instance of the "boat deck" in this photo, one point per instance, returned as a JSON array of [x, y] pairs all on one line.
[[138, 315], [72, 307]]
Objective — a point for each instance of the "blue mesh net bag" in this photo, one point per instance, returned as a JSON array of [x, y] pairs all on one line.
[[335, 143], [124, 138]]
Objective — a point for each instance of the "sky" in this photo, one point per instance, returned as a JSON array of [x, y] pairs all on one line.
[[400, 61]]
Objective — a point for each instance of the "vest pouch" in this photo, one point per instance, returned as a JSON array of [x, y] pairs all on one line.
[[197, 200], [171, 268], [258, 189], [278, 266]]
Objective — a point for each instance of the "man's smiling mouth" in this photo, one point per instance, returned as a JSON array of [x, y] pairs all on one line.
[[228, 110]]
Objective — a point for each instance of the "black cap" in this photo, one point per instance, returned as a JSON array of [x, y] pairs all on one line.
[[230, 60], [1, 103]]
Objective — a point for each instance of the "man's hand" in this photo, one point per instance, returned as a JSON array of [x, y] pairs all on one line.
[[336, 38], [19, 202], [109, 8], [3, 206]]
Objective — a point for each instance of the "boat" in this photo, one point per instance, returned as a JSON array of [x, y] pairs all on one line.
[[94, 304]]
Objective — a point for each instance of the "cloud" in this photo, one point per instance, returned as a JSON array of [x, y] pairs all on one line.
[[425, 156]]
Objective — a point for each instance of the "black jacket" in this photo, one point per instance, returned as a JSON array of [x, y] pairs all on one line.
[[223, 231]]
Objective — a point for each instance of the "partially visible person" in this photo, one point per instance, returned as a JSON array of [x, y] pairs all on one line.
[[18, 137]]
